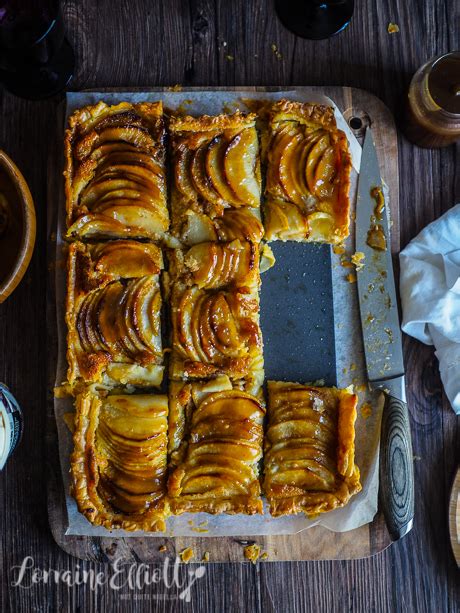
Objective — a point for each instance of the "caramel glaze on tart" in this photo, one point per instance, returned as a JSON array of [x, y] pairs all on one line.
[[215, 442], [113, 313], [215, 265], [308, 175], [216, 167], [115, 175], [119, 462], [309, 463], [215, 332]]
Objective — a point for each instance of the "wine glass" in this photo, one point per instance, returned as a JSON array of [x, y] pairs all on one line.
[[315, 19], [36, 60]]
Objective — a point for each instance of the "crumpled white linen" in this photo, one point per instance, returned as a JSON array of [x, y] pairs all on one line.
[[430, 295]]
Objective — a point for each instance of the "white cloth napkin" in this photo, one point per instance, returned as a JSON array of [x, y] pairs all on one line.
[[430, 295]]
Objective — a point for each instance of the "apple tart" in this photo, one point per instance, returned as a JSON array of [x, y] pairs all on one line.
[[115, 172], [215, 265], [113, 313], [119, 462], [216, 168], [215, 332], [309, 449], [308, 175], [215, 445]]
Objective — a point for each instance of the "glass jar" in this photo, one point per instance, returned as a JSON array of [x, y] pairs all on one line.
[[433, 103]]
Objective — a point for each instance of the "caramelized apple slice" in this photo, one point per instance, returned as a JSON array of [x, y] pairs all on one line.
[[98, 226], [314, 155], [200, 180], [135, 136], [277, 146], [239, 224], [325, 173], [215, 170], [182, 163], [286, 168], [321, 227], [97, 189], [128, 259], [302, 153], [240, 167]]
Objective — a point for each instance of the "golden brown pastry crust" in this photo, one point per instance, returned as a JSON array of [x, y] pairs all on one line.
[[309, 449], [120, 458], [308, 175], [216, 167], [215, 444], [113, 313], [114, 177]]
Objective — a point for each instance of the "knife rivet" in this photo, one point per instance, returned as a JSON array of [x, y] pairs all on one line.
[[356, 123]]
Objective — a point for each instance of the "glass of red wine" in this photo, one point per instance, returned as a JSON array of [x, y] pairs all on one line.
[[36, 60], [315, 19]]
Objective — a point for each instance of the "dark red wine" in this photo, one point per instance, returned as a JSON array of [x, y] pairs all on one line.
[[315, 19], [36, 61]]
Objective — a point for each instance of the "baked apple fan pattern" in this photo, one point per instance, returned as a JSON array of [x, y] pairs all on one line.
[[216, 168], [113, 313], [307, 175], [115, 172], [119, 462], [215, 444]]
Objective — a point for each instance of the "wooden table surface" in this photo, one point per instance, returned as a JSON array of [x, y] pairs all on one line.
[[235, 42]]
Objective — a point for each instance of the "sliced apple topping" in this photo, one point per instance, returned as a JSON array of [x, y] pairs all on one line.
[[239, 224], [216, 265], [200, 179], [220, 425], [240, 165], [127, 259], [320, 227], [215, 170], [123, 320], [206, 328], [131, 444], [314, 155]]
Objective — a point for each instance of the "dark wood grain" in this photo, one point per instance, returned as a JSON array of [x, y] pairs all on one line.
[[139, 43]]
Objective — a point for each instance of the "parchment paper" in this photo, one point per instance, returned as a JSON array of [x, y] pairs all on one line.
[[349, 351]]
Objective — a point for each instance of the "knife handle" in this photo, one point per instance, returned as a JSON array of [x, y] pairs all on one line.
[[396, 468]]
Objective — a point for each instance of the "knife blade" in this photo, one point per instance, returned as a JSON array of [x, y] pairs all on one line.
[[383, 343]]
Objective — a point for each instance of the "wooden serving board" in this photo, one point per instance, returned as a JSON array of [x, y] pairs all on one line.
[[360, 109]]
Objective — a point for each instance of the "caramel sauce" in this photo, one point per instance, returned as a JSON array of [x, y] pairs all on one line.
[[11, 223]]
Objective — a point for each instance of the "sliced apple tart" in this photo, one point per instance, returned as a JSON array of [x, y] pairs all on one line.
[[309, 453], [308, 175], [216, 265], [115, 175], [215, 332], [119, 462], [216, 167], [113, 313], [215, 445]]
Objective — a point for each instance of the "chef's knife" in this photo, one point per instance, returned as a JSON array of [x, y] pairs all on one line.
[[383, 345]]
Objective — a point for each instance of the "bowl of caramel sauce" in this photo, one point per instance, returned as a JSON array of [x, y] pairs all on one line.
[[17, 226]]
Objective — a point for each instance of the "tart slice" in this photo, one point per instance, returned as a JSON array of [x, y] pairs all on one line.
[[119, 461], [308, 175], [309, 453], [113, 313], [215, 332], [215, 444], [216, 167], [115, 175]]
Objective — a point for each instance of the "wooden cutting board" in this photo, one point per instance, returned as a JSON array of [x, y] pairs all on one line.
[[360, 109]]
